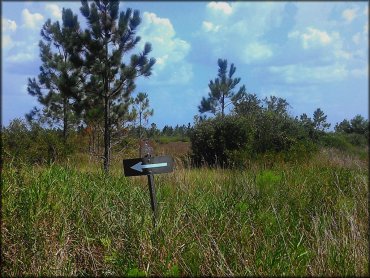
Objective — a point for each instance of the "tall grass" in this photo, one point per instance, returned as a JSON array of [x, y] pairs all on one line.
[[302, 219]]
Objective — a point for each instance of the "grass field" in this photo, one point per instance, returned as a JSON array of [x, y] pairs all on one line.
[[306, 218]]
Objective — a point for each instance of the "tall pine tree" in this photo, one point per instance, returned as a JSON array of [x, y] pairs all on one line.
[[57, 87], [110, 81]]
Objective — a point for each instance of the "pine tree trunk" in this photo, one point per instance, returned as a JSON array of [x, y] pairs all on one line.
[[106, 114], [140, 128], [106, 135], [65, 120]]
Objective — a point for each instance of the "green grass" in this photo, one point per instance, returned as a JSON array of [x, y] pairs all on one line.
[[168, 139], [307, 219]]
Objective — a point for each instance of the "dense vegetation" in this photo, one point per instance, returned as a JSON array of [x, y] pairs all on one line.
[[308, 218], [255, 191]]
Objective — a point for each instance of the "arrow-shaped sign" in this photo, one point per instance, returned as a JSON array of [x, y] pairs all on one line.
[[139, 166], [147, 165]]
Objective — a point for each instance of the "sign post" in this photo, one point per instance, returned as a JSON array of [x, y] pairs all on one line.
[[149, 165], [153, 198]]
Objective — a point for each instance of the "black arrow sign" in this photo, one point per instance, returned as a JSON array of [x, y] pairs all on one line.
[[147, 165]]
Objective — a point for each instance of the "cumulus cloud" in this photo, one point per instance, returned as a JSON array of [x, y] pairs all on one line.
[[6, 41], [210, 27], [313, 37], [298, 73], [223, 7], [8, 25], [54, 10], [257, 51], [23, 52], [21, 57], [349, 14], [169, 50], [32, 20], [243, 34]]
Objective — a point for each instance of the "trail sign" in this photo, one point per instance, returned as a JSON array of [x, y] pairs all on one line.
[[147, 165]]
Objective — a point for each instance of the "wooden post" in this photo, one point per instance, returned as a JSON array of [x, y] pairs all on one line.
[[153, 199]]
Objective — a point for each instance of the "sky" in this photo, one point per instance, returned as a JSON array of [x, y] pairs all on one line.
[[313, 54]]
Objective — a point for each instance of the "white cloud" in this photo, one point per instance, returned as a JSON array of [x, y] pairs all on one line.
[[210, 27], [314, 37], [366, 11], [8, 25], [169, 50], [21, 57], [7, 41], [157, 26], [220, 6], [241, 34], [32, 21], [257, 51], [350, 14], [54, 10], [24, 51], [297, 73]]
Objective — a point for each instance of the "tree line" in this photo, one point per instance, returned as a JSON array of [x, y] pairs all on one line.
[[86, 86], [235, 125]]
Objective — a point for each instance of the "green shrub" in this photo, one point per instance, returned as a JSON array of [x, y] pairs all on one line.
[[220, 141], [232, 140], [337, 141], [34, 144]]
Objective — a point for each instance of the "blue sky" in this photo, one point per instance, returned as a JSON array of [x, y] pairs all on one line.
[[314, 54]]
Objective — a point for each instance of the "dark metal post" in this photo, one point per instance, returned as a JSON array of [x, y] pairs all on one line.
[[153, 199]]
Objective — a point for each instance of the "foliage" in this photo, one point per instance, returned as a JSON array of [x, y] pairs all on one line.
[[141, 103], [221, 90], [58, 85], [260, 127], [357, 125], [110, 81], [33, 144], [216, 141], [319, 120]]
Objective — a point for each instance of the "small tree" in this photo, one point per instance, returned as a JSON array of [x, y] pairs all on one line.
[[277, 105], [319, 120], [110, 81], [248, 105], [344, 126], [359, 125], [142, 109], [222, 91]]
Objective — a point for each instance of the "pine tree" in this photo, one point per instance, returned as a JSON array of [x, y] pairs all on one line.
[[319, 120], [58, 85], [221, 90], [142, 108], [109, 36]]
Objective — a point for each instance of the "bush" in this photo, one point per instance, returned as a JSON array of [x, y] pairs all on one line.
[[337, 141], [33, 144], [232, 140], [277, 133], [220, 141]]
